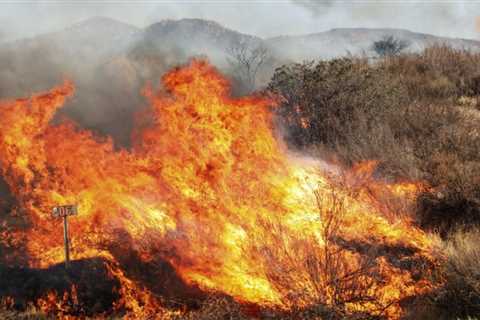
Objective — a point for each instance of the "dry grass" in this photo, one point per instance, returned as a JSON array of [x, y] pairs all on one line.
[[437, 73], [30, 313], [216, 308], [459, 296]]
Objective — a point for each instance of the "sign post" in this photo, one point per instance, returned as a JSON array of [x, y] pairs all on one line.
[[64, 212]]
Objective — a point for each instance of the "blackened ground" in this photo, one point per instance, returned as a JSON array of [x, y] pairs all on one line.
[[96, 290], [448, 213]]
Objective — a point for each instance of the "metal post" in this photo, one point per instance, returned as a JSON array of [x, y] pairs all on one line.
[[65, 238], [63, 212]]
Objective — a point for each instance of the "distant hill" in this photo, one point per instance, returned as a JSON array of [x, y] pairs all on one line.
[[192, 37], [97, 42], [340, 42], [170, 42]]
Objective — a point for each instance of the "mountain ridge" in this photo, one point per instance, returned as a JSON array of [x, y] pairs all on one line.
[[210, 30]]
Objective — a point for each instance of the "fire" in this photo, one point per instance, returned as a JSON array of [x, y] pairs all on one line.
[[208, 188]]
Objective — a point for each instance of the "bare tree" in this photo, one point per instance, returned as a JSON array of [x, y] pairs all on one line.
[[245, 59], [389, 46]]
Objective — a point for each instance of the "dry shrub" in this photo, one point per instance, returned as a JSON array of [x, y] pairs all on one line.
[[459, 297], [416, 114], [31, 314], [439, 72], [322, 102], [448, 153], [316, 277]]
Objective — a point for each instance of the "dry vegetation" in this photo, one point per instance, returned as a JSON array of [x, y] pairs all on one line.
[[419, 116], [460, 294], [322, 282]]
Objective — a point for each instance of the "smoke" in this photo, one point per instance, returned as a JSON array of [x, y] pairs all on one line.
[[263, 18], [107, 93], [108, 89], [271, 19], [443, 18]]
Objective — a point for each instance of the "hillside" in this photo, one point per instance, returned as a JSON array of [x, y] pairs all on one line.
[[340, 42], [96, 42], [191, 37], [99, 40]]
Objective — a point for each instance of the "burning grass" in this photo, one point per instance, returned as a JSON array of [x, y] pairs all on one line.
[[205, 204]]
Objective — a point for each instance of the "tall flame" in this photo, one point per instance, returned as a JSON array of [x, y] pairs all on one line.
[[207, 187]]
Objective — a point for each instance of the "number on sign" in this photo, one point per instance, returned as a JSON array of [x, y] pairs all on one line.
[[63, 211]]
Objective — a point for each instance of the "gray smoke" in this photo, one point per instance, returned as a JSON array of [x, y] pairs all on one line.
[[443, 18], [109, 78], [264, 18]]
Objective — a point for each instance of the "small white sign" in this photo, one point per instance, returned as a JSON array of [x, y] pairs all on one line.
[[64, 211]]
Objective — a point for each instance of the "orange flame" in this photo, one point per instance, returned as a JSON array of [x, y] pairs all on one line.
[[205, 186]]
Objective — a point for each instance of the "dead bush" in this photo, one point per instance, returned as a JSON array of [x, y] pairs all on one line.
[[316, 276]]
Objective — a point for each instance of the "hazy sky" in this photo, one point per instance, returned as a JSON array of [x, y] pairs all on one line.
[[262, 18]]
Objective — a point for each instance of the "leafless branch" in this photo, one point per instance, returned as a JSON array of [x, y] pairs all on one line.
[[245, 59]]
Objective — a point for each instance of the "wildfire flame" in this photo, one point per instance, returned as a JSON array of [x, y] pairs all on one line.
[[208, 188]]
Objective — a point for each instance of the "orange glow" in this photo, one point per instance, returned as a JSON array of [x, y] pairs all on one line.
[[208, 188]]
